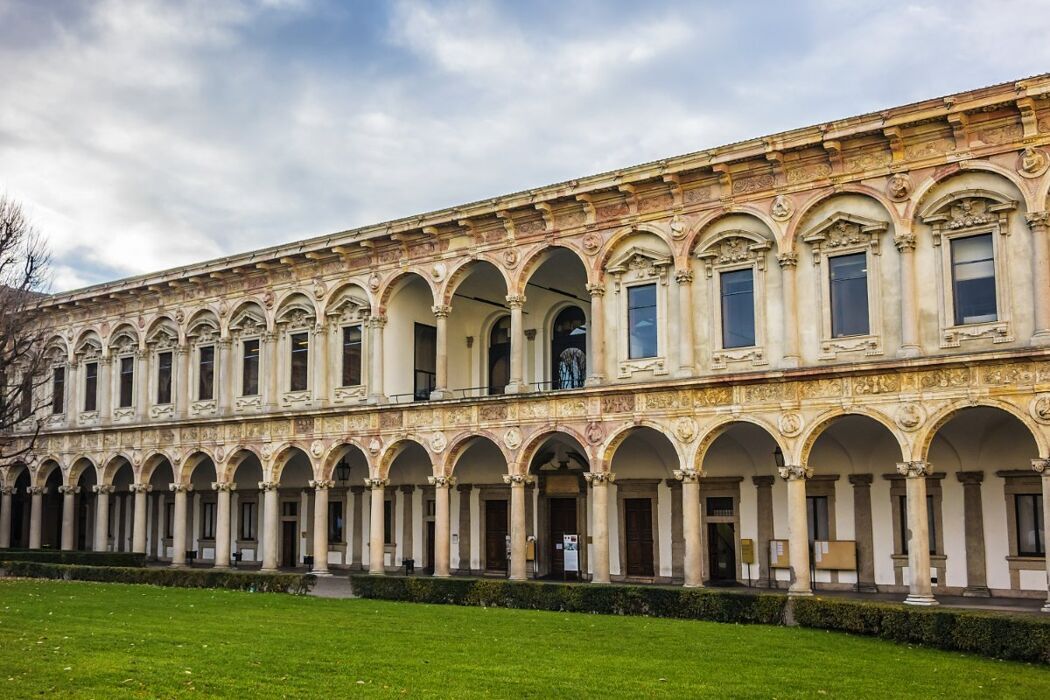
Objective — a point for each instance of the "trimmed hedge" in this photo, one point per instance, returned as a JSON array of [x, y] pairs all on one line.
[[55, 556], [298, 584], [1014, 637]]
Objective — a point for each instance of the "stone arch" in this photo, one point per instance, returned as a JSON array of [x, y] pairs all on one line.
[[296, 308], [114, 464], [535, 441], [539, 255], [349, 301], [800, 221], [701, 237], [88, 344], [151, 462], [203, 325], [921, 448], [163, 332], [951, 196], [826, 420], [341, 449], [56, 349], [714, 431], [459, 274], [607, 450], [78, 465], [394, 449], [236, 456], [922, 191], [124, 339], [461, 443], [616, 241], [248, 317], [193, 459], [45, 469], [396, 282], [284, 454]]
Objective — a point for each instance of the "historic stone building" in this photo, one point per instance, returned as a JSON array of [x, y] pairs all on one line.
[[825, 352]]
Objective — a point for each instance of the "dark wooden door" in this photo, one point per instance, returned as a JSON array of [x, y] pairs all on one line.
[[288, 542], [721, 552], [496, 528], [562, 522], [429, 554], [638, 522]]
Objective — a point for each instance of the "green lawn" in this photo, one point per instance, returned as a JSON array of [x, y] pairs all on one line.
[[101, 640]]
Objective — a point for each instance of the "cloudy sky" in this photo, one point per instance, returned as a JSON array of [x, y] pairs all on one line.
[[143, 135]]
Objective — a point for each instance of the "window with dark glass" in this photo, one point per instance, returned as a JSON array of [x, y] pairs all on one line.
[[499, 355], [26, 397], [641, 321], [111, 518], [902, 508], [91, 386], [164, 377], [206, 373], [127, 381], [849, 294], [817, 515], [352, 356], [973, 279], [300, 361], [250, 368], [58, 390], [1030, 534], [388, 522], [569, 349], [720, 506], [738, 308], [208, 521], [425, 361], [335, 521], [247, 520]]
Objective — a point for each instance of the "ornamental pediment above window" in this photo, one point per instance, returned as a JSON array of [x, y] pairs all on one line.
[[204, 331], [349, 309], [734, 248], [90, 349], [163, 338], [969, 209], [844, 232], [296, 316], [639, 263], [123, 344], [248, 323]]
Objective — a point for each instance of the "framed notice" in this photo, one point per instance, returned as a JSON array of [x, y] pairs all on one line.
[[571, 552]]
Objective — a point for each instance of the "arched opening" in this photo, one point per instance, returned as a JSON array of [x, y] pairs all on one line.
[[499, 355], [347, 508], [51, 534], [294, 510], [21, 505], [477, 294], [408, 509], [558, 281], [121, 507], [559, 463], [83, 475], [246, 507], [569, 349], [160, 509], [203, 511], [482, 501], [410, 340]]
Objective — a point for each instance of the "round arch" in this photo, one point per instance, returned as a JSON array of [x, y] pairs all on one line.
[[612, 245], [190, 462], [535, 441], [338, 452], [398, 281], [918, 201], [114, 464], [464, 441], [921, 449], [824, 421], [394, 450], [535, 259], [459, 274], [716, 430], [607, 450], [284, 455]]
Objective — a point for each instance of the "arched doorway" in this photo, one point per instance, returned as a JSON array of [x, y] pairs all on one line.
[[559, 465], [499, 355], [569, 349]]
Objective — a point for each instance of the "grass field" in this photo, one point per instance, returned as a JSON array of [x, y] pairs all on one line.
[[106, 640]]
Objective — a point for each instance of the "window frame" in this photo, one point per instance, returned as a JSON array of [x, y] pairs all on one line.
[[200, 363], [121, 382], [248, 524], [1040, 532], [56, 393], [640, 265], [343, 345], [87, 381], [304, 355]]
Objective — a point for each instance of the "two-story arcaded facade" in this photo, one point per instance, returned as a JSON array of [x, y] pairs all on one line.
[[828, 347]]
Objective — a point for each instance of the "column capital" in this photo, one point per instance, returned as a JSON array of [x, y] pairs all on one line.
[[180, 487], [516, 301], [64, 489], [1041, 466], [905, 242], [1038, 220], [596, 289], [788, 260], [970, 478], [519, 479], [441, 482], [373, 483], [39, 490], [683, 277], [102, 488], [321, 484], [224, 486], [914, 470], [441, 310], [376, 321], [795, 472], [268, 485], [7, 490], [599, 478], [861, 479], [141, 488], [689, 476]]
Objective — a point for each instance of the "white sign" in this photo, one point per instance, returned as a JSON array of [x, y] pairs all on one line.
[[571, 550]]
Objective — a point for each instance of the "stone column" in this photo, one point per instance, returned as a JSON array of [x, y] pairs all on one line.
[[596, 362], [518, 533], [920, 588], [973, 515], [1042, 467], [407, 533], [376, 393], [36, 515], [798, 528], [764, 501], [223, 492], [271, 524], [441, 364], [517, 345], [5, 515], [138, 533], [178, 540], [690, 478], [863, 532], [355, 523], [141, 385], [269, 370], [102, 516], [464, 527], [377, 534], [320, 488], [182, 381], [225, 375], [599, 482], [788, 262], [1038, 222], [909, 297], [442, 524], [69, 514], [686, 366], [320, 358]]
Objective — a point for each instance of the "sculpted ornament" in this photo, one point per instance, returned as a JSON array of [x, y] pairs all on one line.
[[317, 448], [790, 424], [1032, 162], [1040, 408], [685, 429], [510, 258], [592, 242], [438, 443], [782, 208], [375, 445], [677, 227], [594, 432], [438, 272], [910, 416], [373, 282], [899, 187], [512, 438]]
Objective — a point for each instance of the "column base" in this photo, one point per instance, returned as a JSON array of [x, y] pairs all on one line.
[[800, 594], [516, 388], [1046, 607], [692, 585], [977, 592], [376, 573], [920, 600], [264, 570], [441, 395], [1041, 338], [442, 575], [790, 362], [867, 588], [909, 351]]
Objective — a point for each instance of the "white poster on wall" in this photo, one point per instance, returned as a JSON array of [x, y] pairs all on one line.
[[571, 550]]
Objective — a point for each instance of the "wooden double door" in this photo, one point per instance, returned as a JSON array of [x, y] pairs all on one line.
[[562, 516], [638, 531], [497, 526]]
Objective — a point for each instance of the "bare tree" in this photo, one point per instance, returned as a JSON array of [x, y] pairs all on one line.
[[24, 278]]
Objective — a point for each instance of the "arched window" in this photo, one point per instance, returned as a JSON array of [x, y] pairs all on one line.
[[499, 355], [569, 349]]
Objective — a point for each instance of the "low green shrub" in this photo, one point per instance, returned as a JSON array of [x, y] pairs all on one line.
[[298, 584], [55, 556]]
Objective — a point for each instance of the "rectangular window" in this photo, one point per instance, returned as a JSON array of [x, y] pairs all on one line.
[[91, 386], [903, 509], [300, 361], [388, 522], [817, 515], [206, 374], [425, 361], [169, 519], [973, 279], [247, 520], [720, 506], [208, 521], [335, 522], [127, 381], [26, 396], [250, 368], [1030, 542], [352, 356], [849, 294], [58, 390], [738, 308], [164, 377], [641, 321]]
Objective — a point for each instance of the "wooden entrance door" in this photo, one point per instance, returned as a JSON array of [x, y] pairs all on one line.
[[721, 552], [638, 523], [288, 543], [496, 528], [562, 522]]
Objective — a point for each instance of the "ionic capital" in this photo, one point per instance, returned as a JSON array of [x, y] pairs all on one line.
[[374, 483], [180, 488], [1041, 466], [786, 260], [1038, 220], [442, 482], [67, 489], [518, 479], [516, 301], [441, 310], [914, 470], [321, 484], [599, 478], [795, 472], [268, 485], [141, 488], [689, 476], [596, 289], [102, 488], [224, 486]]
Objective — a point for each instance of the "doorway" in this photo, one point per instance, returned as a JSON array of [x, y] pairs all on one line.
[[721, 550], [638, 523], [428, 555], [496, 528], [290, 534], [562, 522]]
